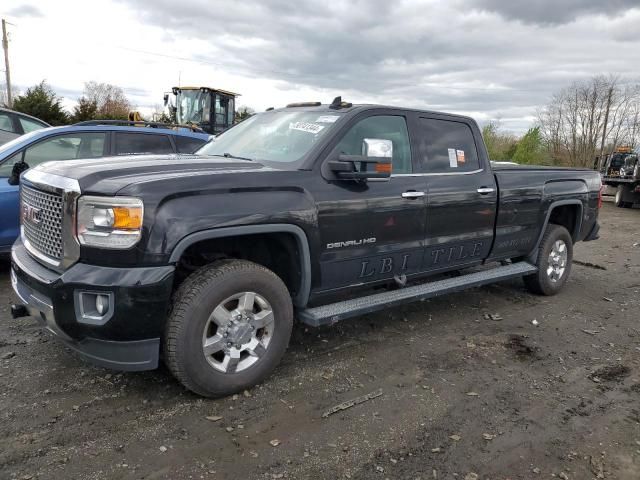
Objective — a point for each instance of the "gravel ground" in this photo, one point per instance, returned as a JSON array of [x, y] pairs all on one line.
[[493, 383]]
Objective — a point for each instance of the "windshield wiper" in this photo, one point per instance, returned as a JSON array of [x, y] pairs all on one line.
[[228, 155]]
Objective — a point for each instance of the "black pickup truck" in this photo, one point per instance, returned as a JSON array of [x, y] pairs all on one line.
[[315, 212]]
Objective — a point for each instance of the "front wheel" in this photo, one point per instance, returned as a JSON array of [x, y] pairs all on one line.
[[554, 262], [229, 327]]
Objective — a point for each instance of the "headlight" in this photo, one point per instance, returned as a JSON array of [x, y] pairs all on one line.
[[109, 222]]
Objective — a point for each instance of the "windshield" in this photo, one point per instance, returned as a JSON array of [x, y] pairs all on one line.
[[192, 107], [617, 160], [273, 136]]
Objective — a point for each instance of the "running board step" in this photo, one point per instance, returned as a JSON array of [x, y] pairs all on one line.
[[334, 312]]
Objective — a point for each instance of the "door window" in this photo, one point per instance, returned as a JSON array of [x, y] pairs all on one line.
[[386, 127], [446, 146], [29, 125], [6, 167], [140, 143], [222, 104], [187, 144], [5, 122], [66, 147]]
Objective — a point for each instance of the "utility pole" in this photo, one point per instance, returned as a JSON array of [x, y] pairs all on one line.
[[5, 46]]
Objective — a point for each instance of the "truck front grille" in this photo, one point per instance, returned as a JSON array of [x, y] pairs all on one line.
[[41, 215]]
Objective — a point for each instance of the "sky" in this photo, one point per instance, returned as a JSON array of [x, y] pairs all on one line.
[[490, 59]]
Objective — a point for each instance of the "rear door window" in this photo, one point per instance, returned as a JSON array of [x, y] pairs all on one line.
[[142, 143], [6, 123], [187, 144], [446, 146], [29, 125]]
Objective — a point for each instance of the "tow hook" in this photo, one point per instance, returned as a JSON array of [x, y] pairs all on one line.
[[19, 311]]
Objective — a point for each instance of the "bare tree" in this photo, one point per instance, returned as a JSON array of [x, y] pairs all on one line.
[[111, 101], [588, 116]]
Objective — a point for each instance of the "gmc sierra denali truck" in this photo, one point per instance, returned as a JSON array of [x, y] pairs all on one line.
[[315, 212]]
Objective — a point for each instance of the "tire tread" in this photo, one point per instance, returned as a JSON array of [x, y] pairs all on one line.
[[184, 297]]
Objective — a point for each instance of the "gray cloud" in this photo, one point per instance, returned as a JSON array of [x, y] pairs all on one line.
[[554, 11], [449, 56], [24, 11]]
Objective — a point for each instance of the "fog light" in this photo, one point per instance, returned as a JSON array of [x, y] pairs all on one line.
[[94, 308], [102, 304]]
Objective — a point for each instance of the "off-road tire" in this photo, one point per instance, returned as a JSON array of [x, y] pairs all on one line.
[[540, 282], [194, 301]]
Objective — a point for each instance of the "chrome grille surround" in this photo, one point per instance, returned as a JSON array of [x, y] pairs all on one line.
[[48, 218], [43, 229]]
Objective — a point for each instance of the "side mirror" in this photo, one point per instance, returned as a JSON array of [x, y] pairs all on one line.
[[18, 168], [374, 163]]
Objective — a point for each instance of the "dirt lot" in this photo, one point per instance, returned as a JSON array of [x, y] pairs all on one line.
[[546, 387]]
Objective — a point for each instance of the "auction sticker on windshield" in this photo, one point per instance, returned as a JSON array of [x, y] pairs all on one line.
[[306, 127]]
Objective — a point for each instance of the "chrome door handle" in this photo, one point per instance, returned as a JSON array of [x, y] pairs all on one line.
[[412, 194], [485, 190]]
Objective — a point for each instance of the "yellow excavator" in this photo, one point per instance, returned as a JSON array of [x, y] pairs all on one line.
[[211, 109]]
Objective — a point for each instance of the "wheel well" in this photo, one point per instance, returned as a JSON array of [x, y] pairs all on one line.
[[567, 216], [279, 252]]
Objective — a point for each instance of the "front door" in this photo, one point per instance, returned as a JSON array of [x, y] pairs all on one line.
[[374, 231], [462, 193]]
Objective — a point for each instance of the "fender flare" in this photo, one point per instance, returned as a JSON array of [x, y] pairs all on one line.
[[302, 296], [576, 228]]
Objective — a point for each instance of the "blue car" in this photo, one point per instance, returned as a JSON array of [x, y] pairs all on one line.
[[72, 142]]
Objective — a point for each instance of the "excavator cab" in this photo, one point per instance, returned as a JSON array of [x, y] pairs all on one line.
[[213, 110]]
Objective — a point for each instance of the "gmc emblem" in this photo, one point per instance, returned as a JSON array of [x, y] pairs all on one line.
[[30, 214]]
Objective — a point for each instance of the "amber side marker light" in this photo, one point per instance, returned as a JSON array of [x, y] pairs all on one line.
[[127, 218], [383, 168]]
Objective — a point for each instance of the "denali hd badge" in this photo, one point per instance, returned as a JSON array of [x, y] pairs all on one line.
[[30, 214], [351, 243]]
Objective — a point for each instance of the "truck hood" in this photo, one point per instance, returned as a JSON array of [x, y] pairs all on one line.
[[108, 175]]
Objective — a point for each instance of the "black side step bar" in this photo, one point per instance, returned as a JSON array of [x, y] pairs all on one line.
[[334, 312]]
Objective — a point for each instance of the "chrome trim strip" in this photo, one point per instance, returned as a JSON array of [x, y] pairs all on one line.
[[39, 255], [471, 172], [50, 181], [69, 189]]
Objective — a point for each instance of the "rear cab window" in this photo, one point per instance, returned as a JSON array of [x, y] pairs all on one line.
[[446, 146]]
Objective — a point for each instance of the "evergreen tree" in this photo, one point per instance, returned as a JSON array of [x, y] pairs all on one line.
[[41, 102], [85, 110]]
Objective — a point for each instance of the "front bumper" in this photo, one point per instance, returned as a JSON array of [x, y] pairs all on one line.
[[129, 339]]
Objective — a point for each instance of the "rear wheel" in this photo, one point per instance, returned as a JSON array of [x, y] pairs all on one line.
[[620, 198], [229, 327], [554, 262]]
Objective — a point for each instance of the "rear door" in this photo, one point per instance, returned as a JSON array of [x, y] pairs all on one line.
[[462, 194]]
